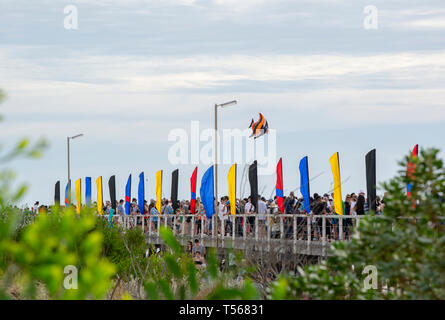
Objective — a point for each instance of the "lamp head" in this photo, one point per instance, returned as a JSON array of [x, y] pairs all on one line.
[[228, 104], [76, 136]]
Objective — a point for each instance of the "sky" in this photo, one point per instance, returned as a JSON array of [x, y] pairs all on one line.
[[134, 70]]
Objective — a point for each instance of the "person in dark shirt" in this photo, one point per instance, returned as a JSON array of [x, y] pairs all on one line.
[[347, 221], [360, 205]]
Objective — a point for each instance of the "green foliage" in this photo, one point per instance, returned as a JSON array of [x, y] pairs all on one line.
[[178, 277], [125, 249], [34, 255], [48, 245], [405, 245]]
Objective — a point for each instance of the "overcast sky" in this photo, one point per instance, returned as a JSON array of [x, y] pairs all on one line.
[[136, 69]]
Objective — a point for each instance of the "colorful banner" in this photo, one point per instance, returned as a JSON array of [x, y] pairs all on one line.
[[304, 183], [411, 169], [112, 189], [279, 186], [141, 193], [193, 190], [100, 201], [253, 181], [68, 194], [78, 195], [57, 194], [335, 166], [207, 192], [88, 191], [128, 196], [159, 191], [231, 177], [174, 192], [371, 180]]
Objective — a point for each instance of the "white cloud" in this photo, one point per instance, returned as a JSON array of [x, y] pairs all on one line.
[[161, 74]]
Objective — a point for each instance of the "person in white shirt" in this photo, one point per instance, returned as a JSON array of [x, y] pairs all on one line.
[[249, 210], [353, 202], [222, 213], [262, 210], [35, 208]]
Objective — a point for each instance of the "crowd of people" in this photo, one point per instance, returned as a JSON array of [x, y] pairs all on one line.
[[353, 205], [248, 219]]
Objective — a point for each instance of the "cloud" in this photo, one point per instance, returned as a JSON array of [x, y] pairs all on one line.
[[169, 73]]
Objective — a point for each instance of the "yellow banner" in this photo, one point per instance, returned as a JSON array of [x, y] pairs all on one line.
[[335, 166], [159, 190], [231, 177], [78, 195], [99, 195]]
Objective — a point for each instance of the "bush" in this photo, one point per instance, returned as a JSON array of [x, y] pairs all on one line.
[[406, 246]]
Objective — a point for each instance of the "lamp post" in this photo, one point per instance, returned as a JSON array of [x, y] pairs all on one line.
[[68, 150], [222, 105]]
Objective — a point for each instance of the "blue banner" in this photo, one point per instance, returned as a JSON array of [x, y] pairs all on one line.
[[128, 196], [207, 192], [304, 183], [68, 194], [141, 193], [88, 191]]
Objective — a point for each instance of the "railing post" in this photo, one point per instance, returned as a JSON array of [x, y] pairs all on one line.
[[223, 234], [159, 224], [233, 217], [192, 229], [213, 227], [203, 221], [244, 226], [294, 222], [143, 223], [165, 219], [309, 231], [340, 228], [323, 227], [256, 228], [149, 225], [281, 227], [183, 225]]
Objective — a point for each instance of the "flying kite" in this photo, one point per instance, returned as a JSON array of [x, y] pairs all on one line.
[[259, 128]]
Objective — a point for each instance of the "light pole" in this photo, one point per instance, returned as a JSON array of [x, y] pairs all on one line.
[[68, 150], [222, 105]]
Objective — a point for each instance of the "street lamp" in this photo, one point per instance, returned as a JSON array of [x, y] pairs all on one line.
[[68, 149], [222, 105]]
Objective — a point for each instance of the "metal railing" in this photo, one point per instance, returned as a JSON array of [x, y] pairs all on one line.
[[267, 227]]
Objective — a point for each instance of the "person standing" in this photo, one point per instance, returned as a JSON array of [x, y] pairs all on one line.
[[262, 211], [249, 210], [222, 214], [198, 247], [154, 216], [120, 208], [348, 221], [360, 205]]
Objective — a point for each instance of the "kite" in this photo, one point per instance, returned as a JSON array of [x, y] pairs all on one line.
[[259, 128]]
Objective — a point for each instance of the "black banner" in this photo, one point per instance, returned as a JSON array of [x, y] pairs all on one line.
[[112, 188], [57, 194], [174, 192], [253, 180], [371, 181]]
